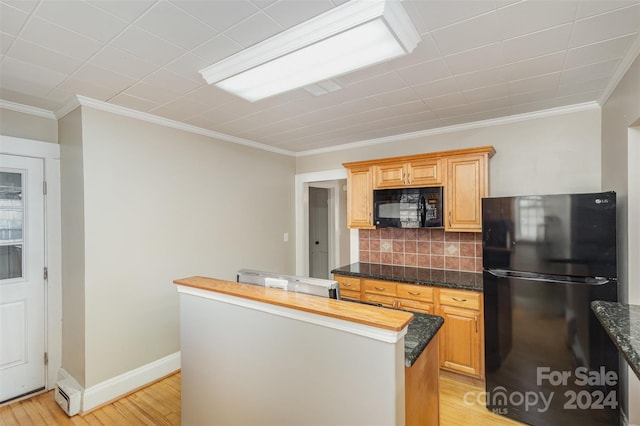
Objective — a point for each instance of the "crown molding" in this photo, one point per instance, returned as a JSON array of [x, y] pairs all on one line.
[[115, 109], [150, 118], [25, 109], [626, 63], [456, 128]]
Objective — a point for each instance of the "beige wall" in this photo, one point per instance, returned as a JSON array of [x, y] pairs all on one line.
[[557, 154], [28, 126], [161, 204], [73, 246], [619, 112]]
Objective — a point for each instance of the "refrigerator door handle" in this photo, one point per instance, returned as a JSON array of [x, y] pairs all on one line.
[[503, 273]]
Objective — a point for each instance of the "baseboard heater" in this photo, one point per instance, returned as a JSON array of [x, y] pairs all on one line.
[[68, 397]]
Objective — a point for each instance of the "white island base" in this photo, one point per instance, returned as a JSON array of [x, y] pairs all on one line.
[[258, 356]]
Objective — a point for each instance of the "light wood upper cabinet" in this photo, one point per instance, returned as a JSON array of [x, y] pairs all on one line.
[[464, 174], [359, 198], [405, 174], [467, 183]]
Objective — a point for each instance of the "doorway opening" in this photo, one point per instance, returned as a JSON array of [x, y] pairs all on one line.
[[319, 225], [323, 241]]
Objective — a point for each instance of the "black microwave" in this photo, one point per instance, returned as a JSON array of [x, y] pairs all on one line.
[[408, 207]]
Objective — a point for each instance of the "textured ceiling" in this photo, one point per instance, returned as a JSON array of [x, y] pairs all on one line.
[[477, 60]]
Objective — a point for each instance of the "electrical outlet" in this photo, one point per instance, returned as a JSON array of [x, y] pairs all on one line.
[[285, 237]]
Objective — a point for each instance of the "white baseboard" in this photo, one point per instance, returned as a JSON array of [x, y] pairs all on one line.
[[123, 384]]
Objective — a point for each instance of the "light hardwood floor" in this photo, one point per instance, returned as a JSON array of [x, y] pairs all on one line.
[[159, 404]]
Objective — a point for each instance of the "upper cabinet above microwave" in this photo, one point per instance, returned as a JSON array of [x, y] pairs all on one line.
[[408, 174], [464, 174]]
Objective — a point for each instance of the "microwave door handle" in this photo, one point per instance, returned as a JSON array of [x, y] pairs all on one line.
[[422, 211]]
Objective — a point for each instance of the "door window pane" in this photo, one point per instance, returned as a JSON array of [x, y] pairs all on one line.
[[11, 225]]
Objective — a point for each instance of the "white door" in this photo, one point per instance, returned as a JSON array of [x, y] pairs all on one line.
[[22, 292], [318, 233]]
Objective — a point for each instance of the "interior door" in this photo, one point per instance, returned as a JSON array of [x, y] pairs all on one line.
[[318, 233], [22, 291]]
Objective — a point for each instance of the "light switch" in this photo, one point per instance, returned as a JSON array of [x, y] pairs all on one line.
[[285, 237]]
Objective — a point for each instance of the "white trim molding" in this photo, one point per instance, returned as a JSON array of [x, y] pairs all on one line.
[[150, 118], [116, 387], [26, 109], [301, 203], [124, 384], [127, 112]]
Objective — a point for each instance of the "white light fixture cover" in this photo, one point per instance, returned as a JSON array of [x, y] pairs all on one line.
[[356, 34]]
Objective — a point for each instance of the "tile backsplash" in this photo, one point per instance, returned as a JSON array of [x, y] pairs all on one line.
[[422, 247]]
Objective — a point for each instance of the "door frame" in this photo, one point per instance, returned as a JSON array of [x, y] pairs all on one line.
[[50, 153], [332, 251], [302, 183]]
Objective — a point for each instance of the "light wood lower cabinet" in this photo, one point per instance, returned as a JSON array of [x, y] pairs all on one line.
[[462, 342], [349, 287], [416, 298], [462, 335]]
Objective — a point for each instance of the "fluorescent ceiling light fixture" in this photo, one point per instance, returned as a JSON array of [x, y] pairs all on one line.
[[351, 36]]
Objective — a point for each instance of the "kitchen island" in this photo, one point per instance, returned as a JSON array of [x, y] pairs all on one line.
[[255, 355]]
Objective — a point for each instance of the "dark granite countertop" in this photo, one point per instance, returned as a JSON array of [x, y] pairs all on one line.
[[420, 331], [408, 274], [622, 323]]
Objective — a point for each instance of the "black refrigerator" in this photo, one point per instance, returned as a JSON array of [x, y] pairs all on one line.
[[548, 361]]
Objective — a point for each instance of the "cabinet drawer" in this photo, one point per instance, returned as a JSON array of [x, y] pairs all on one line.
[[348, 294], [380, 287], [415, 292], [460, 298], [347, 283], [414, 305], [388, 301]]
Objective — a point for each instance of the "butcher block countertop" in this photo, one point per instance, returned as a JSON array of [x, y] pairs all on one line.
[[373, 316]]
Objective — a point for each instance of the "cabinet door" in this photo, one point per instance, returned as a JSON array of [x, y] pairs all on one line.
[[349, 287], [408, 174], [460, 340], [424, 172], [389, 176], [467, 183], [359, 198]]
